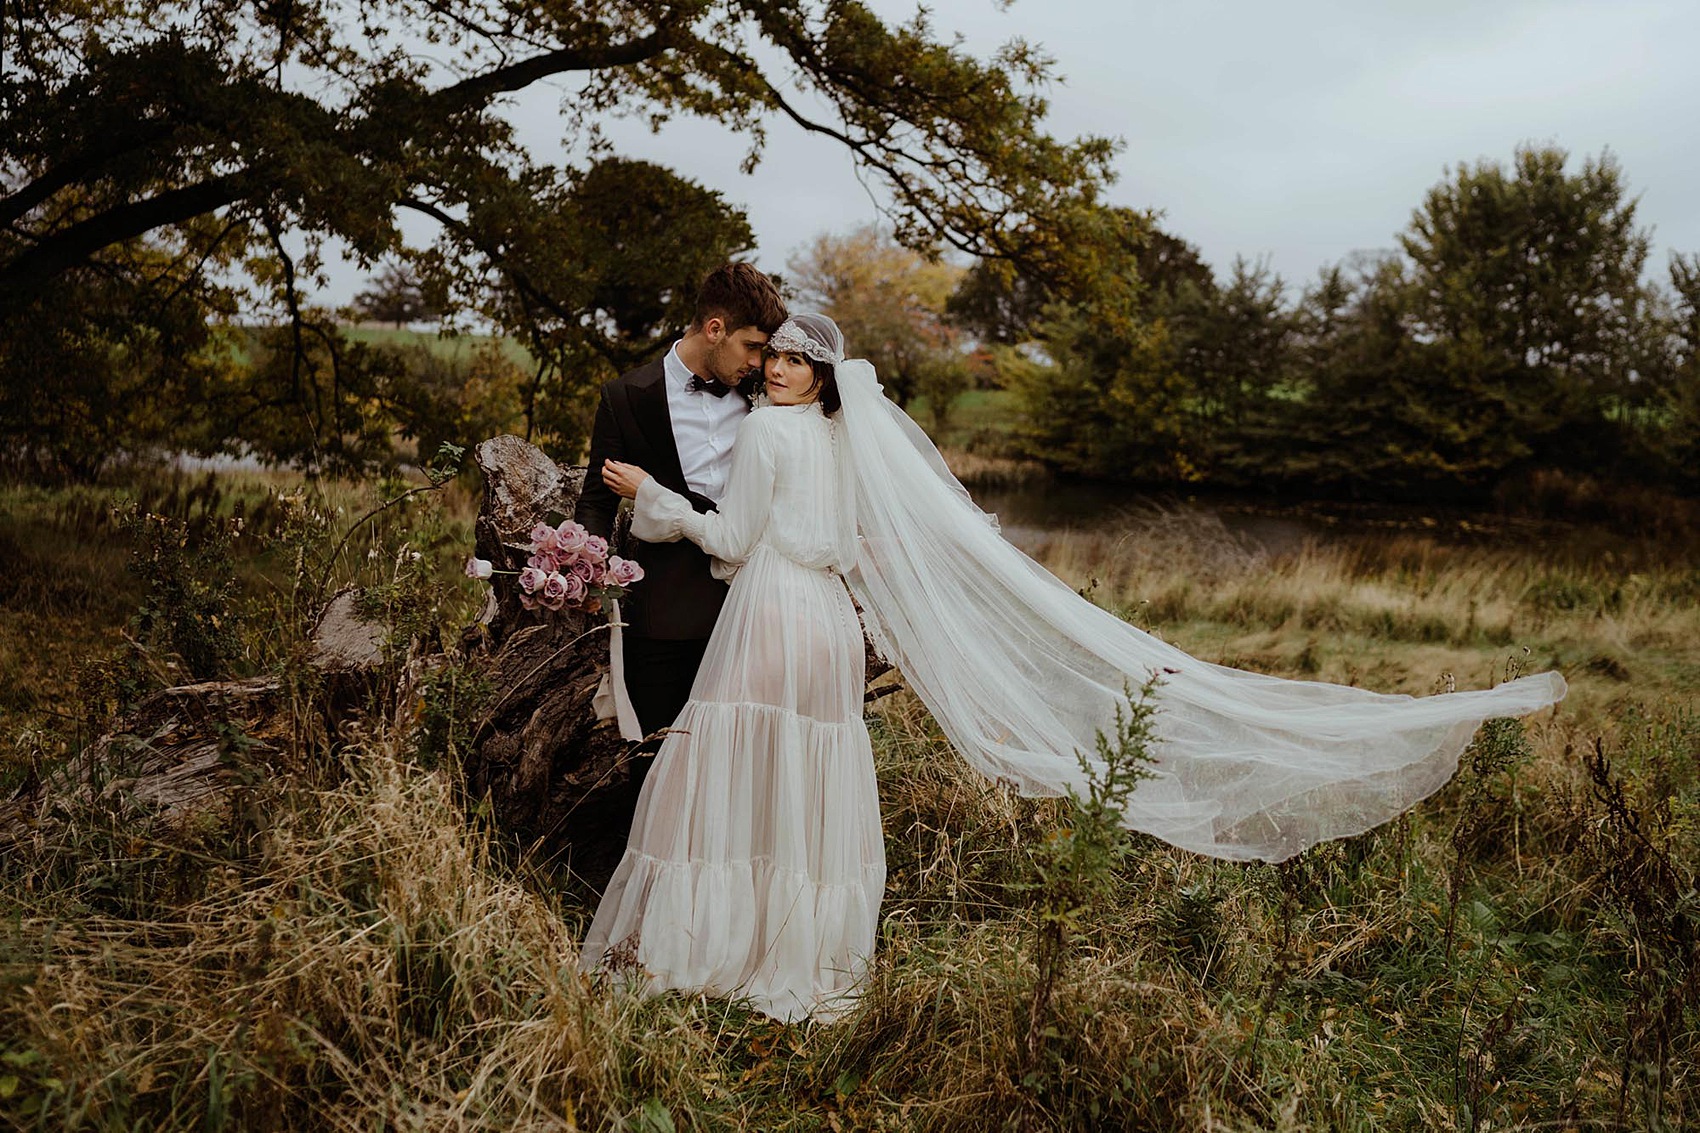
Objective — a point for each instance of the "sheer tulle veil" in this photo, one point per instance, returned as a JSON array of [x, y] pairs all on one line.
[[1022, 673]]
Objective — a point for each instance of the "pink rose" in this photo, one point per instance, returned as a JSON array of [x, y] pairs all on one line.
[[544, 538], [624, 572], [545, 561], [555, 586], [532, 578], [595, 548], [527, 601], [570, 538], [583, 569], [479, 568], [575, 587], [552, 603]]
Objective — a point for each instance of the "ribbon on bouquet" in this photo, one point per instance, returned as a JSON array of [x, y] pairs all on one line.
[[611, 701]]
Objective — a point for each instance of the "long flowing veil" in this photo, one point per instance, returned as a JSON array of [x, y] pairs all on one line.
[[1022, 673]]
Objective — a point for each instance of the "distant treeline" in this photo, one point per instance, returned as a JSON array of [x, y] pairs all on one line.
[[1513, 334], [1515, 337]]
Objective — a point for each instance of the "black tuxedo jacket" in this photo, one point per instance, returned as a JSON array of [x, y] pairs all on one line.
[[677, 599]]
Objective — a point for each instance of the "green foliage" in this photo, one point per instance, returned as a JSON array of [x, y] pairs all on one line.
[[1678, 396], [1388, 412], [238, 138], [461, 398], [1529, 283], [28, 1087], [452, 697], [1513, 334], [1535, 265], [187, 610], [312, 399], [599, 267], [396, 296], [1235, 344], [890, 303], [1159, 375], [1115, 404], [112, 361], [1007, 302]]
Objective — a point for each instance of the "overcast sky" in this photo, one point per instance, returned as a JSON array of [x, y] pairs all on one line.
[[1299, 132]]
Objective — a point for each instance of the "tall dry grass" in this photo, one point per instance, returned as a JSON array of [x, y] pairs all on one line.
[[1397, 611], [350, 948], [981, 470], [368, 968]]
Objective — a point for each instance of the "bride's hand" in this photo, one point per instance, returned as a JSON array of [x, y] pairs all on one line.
[[623, 479]]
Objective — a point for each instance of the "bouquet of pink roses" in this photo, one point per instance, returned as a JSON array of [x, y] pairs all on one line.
[[569, 568]]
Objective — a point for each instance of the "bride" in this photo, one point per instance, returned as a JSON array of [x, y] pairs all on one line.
[[756, 861]]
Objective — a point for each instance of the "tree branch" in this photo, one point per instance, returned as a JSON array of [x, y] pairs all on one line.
[[520, 280], [518, 76], [78, 167], [871, 153], [74, 245]]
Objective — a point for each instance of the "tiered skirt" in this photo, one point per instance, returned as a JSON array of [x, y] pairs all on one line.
[[756, 861]]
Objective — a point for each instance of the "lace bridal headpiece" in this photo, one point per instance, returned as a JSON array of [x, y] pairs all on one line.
[[814, 336]]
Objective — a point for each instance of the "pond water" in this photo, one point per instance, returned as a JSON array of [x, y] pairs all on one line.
[[1047, 506], [1278, 527]]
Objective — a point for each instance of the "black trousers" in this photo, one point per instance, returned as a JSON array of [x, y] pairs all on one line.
[[659, 673]]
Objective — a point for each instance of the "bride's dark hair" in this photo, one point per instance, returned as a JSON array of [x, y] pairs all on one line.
[[826, 383]]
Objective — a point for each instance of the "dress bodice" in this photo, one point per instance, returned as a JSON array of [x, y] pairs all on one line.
[[784, 492]]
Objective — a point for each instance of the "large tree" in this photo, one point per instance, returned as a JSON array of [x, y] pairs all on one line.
[[890, 303], [1533, 274], [1514, 332], [396, 296], [230, 131]]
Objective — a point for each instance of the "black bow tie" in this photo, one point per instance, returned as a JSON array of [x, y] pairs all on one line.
[[699, 384]]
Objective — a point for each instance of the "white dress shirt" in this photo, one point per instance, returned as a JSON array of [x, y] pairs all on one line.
[[704, 427]]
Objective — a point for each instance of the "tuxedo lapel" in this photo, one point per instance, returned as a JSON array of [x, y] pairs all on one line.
[[649, 406]]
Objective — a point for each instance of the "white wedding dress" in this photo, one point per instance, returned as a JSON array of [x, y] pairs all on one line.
[[756, 861], [756, 865]]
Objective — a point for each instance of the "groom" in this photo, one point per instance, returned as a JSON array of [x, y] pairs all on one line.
[[676, 417]]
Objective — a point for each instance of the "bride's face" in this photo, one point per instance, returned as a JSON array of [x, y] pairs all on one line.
[[790, 380]]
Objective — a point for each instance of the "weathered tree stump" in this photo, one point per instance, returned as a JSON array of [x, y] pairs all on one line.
[[555, 777]]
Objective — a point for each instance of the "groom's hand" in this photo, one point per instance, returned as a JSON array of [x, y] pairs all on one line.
[[623, 479]]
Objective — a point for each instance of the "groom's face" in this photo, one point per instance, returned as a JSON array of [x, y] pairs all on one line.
[[734, 355]]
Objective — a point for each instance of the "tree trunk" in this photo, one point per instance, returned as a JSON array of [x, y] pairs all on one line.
[[555, 777]]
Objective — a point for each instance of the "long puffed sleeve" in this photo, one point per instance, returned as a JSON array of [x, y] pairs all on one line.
[[729, 534]]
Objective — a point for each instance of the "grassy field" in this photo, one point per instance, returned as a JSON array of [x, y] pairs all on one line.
[[453, 346], [348, 951]]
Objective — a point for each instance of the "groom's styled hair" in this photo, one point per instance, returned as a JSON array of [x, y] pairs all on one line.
[[740, 296]]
